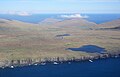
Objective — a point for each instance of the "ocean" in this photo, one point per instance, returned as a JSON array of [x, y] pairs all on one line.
[[36, 18], [98, 68]]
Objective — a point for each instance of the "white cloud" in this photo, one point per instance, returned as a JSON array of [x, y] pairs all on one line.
[[74, 16], [23, 14], [19, 13]]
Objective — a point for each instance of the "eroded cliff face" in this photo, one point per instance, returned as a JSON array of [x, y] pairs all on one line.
[[29, 61]]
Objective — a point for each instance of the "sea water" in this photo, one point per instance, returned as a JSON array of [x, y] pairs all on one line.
[[36, 18], [98, 68]]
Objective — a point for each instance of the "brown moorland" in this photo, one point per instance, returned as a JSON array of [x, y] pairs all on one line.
[[26, 43]]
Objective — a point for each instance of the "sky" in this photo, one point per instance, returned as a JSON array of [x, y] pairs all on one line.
[[25, 7]]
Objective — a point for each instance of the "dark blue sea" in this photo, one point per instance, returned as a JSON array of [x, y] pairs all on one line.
[[98, 68]]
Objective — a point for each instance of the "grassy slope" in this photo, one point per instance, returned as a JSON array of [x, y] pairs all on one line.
[[20, 40]]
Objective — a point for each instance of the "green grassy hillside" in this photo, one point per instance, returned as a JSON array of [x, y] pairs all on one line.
[[22, 41]]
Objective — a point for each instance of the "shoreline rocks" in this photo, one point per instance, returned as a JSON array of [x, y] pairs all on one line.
[[29, 61]]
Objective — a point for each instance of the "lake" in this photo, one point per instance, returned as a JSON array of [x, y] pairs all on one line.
[[98, 68], [89, 49]]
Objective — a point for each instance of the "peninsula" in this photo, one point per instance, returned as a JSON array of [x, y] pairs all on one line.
[[53, 40]]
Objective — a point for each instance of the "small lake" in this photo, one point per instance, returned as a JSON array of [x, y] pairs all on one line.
[[98, 68], [62, 35], [89, 49]]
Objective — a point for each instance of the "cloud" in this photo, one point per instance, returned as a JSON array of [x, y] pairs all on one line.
[[23, 14], [19, 13], [74, 16]]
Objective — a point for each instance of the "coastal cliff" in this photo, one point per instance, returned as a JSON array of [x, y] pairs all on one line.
[[40, 61]]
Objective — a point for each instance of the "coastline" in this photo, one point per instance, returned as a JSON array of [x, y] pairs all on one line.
[[30, 62]]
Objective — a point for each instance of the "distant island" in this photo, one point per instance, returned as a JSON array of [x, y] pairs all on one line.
[[54, 40]]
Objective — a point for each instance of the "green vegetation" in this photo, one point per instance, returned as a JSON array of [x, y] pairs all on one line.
[[23, 41]]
